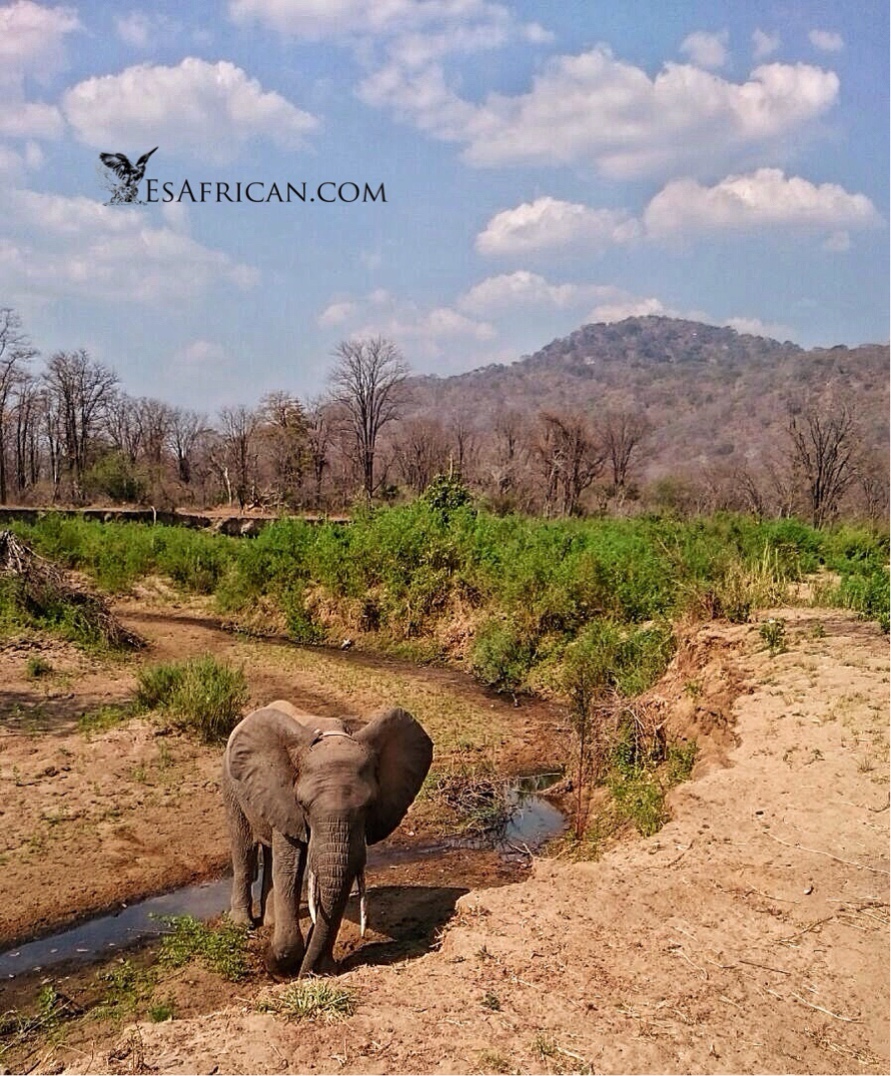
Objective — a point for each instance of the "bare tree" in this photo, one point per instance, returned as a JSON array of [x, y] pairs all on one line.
[[318, 444], [368, 381], [569, 458], [239, 426], [186, 429], [79, 390], [872, 482], [15, 353], [622, 433], [421, 452], [822, 450], [26, 406], [123, 427]]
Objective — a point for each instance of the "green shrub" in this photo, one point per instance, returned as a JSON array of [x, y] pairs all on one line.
[[115, 477], [501, 657], [868, 594], [640, 799], [773, 632], [222, 949], [37, 667], [201, 695]]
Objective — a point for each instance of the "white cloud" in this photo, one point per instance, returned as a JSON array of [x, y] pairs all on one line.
[[32, 39], [826, 40], [140, 29], [32, 45], [595, 109], [549, 223], [337, 314], [496, 294], [424, 333], [29, 119], [202, 353], [208, 111], [630, 306], [764, 44], [705, 49], [459, 23], [756, 327], [75, 246], [765, 198]]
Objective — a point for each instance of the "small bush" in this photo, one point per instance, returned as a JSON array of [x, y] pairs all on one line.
[[222, 949], [640, 799], [501, 657], [868, 594], [37, 667], [201, 695], [773, 632]]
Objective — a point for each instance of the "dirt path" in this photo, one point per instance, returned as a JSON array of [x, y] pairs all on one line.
[[749, 935]]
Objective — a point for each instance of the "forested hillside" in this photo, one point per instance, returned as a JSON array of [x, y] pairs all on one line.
[[707, 395]]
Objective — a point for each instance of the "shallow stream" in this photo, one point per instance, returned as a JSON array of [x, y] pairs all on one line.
[[532, 822]]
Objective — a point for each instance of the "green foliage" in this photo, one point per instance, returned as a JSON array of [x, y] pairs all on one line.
[[22, 611], [161, 1011], [103, 718], [868, 594], [125, 985], [222, 949], [547, 579], [36, 667], [116, 477], [640, 799], [446, 493], [641, 770], [311, 999], [201, 695], [773, 632], [501, 657]]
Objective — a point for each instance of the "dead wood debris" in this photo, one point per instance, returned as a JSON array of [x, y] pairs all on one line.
[[44, 585]]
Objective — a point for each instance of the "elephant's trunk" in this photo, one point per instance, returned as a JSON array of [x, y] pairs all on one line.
[[336, 856]]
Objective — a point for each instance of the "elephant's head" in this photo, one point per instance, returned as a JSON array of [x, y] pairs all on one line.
[[332, 793]]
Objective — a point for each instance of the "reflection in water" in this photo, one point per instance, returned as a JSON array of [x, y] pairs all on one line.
[[532, 822]]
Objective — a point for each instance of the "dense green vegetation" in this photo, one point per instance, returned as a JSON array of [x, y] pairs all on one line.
[[528, 587], [201, 695]]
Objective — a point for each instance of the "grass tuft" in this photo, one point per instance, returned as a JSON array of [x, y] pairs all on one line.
[[311, 999], [201, 695]]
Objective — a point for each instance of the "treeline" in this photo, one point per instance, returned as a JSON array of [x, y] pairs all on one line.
[[71, 434]]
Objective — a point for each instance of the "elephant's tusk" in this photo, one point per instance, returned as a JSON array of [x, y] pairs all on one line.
[[363, 907], [311, 896]]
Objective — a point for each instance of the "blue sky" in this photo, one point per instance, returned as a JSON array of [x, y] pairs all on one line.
[[544, 165]]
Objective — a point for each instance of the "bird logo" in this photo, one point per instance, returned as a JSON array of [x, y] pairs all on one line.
[[125, 189]]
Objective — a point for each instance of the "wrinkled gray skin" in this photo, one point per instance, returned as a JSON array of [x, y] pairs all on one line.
[[313, 796]]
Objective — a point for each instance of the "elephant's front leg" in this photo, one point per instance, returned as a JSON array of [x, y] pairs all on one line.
[[244, 865], [285, 951]]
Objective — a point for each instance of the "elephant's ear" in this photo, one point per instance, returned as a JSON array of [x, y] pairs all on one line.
[[264, 755], [404, 752]]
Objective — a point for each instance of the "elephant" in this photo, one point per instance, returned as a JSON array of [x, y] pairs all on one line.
[[314, 793]]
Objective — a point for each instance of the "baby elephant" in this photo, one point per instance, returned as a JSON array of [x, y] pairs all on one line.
[[314, 795]]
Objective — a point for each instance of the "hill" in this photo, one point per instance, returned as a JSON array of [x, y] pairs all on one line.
[[710, 395]]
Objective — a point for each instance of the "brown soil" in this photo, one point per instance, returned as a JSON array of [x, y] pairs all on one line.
[[749, 935], [115, 815]]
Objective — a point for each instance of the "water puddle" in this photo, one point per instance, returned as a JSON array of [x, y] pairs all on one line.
[[532, 822]]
